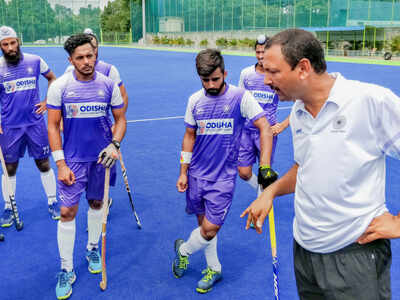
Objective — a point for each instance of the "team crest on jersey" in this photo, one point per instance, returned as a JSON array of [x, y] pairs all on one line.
[[29, 70], [100, 93], [21, 84], [215, 126], [71, 94], [72, 110], [199, 110], [339, 123]]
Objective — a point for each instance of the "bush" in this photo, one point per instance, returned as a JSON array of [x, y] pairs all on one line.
[[189, 42], [164, 40], [204, 43], [221, 42], [233, 43], [180, 41], [156, 40], [395, 44]]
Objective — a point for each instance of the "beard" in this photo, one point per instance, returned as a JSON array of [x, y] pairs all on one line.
[[215, 92], [12, 58], [85, 73]]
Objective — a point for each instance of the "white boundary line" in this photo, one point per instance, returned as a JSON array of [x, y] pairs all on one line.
[[181, 117]]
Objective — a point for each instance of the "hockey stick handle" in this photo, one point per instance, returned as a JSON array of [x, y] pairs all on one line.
[[18, 223], [125, 177], [103, 283]]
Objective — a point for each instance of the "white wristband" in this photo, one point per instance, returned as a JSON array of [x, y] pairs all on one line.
[[58, 155], [186, 157]]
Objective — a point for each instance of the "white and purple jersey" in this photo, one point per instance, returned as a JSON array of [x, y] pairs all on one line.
[[84, 106], [253, 81], [104, 68], [218, 121], [19, 90]]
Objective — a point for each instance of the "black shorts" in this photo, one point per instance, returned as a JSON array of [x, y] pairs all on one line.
[[356, 272]]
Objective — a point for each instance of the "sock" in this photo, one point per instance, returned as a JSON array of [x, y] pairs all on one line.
[[253, 181], [13, 183], [49, 185], [195, 243], [94, 218], [211, 255], [66, 241]]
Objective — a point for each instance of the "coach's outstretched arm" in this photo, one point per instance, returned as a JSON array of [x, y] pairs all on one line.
[[259, 208]]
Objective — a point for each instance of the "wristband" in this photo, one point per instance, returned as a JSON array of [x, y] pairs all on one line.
[[58, 155], [262, 167], [186, 157]]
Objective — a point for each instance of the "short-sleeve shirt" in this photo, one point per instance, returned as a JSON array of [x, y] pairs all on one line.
[[341, 153], [84, 106], [19, 90], [219, 121], [253, 81]]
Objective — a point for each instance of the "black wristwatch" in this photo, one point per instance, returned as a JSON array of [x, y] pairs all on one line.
[[116, 144]]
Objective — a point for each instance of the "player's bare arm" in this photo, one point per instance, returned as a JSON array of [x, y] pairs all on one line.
[[65, 174], [41, 106], [259, 208], [265, 140], [187, 146], [120, 124], [124, 96], [280, 127]]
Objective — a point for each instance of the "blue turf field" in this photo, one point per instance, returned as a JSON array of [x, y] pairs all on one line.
[[139, 262]]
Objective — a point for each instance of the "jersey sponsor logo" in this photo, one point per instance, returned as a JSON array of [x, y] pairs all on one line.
[[215, 126], [263, 97], [86, 110], [21, 84]]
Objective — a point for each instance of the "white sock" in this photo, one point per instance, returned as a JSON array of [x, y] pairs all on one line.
[[13, 183], [49, 185], [94, 218], [66, 241], [211, 255], [253, 181], [195, 243]]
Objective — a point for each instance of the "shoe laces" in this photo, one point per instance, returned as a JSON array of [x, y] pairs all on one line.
[[62, 278], [209, 274], [93, 256], [183, 262]]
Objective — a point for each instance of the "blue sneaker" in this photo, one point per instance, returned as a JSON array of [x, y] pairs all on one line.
[[7, 219], [93, 257], [179, 265], [54, 211], [206, 283], [64, 284]]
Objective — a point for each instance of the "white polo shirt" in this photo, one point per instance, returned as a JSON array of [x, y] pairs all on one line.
[[341, 156]]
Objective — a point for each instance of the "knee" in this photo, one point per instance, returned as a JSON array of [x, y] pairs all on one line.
[[95, 204], [11, 170], [244, 173], [43, 165], [208, 234], [67, 214]]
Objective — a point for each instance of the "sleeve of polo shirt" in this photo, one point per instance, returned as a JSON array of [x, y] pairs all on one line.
[[114, 75], [44, 68], [249, 107], [116, 98], [241, 80], [54, 95], [389, 123], [189, 118]]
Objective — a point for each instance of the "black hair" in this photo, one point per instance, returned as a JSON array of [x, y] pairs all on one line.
[[208, 60], [297, 44], [261, 40], [91, 35], [75, 41]]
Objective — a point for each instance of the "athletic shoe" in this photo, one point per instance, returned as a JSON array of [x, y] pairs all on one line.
[[206, 283], [7, 219], [54, 211], [93, 257], [64, 284], [179, 265]]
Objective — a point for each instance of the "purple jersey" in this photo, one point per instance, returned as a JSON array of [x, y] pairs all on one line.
[[84, 107], [218, 121], [253, 81], [19, 90]]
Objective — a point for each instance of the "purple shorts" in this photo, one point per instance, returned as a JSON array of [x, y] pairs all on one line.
[[249, 151], [209, 198], [14, 142], [89, 177]]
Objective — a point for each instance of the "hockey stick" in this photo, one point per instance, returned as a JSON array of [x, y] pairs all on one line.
[[18, 222], [125, 176], [272, 237], [103, 283]]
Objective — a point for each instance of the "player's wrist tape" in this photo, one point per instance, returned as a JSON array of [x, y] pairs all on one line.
[[58, 155], [186, 157]]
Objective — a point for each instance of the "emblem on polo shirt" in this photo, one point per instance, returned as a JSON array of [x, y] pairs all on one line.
[[339, 122], [226, 108], [29, 70]]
